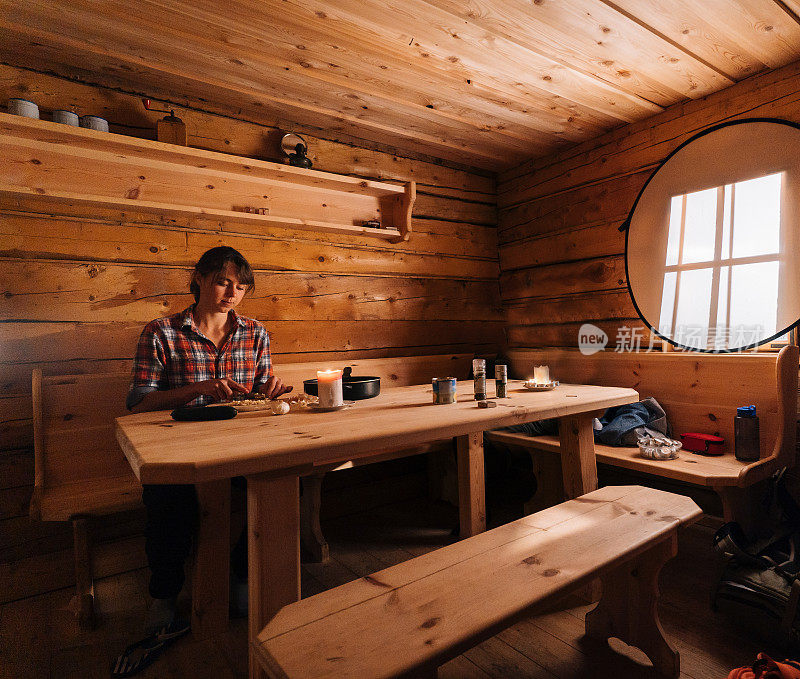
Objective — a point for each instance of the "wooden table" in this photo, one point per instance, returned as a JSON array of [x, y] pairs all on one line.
[[273, 452]]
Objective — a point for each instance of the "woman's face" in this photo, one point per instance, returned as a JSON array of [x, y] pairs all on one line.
[[221, 291]]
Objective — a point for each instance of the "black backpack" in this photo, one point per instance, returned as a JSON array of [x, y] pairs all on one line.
[[760, 582]]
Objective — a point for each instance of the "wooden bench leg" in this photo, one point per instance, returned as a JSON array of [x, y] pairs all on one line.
[[84, 583], [210, 581], [471, 485], [628, 607], [311, 537], [742, 505]]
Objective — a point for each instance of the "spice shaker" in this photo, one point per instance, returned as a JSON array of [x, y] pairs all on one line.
[[479, 376], [500, 380], [745, 428]]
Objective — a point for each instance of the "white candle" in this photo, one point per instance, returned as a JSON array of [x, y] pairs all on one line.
[[329, 388], [541, 374]]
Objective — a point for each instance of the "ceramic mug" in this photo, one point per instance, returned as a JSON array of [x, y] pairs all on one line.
[[23, 107], [66, 118], [95, 123]]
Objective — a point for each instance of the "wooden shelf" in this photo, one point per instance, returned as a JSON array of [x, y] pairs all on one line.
[[49, 162]]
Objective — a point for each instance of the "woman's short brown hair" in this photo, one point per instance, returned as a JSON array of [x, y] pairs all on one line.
[[214, 260]]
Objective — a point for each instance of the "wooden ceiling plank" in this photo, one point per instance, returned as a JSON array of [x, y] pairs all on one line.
[[737, 36], [469, 50], [440, 95], [357, 59], [591, 38], [318, 103], [791, 7], [343, 31]]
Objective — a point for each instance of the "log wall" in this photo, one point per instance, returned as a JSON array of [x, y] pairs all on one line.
[[78, 284], [561, 253]]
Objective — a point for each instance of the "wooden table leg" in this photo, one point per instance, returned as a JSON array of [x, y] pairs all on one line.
[[273, 551], [311, 535], [578, 463], [471, 485], [210, 581]]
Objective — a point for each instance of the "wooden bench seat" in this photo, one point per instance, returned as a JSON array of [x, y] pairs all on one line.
[[699, 392], [699, 470], [410, 618], [80, 471]]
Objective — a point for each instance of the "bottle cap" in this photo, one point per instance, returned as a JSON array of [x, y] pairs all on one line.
[[746, 411]]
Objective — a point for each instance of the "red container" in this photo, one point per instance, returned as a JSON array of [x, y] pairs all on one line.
[[705, 444]]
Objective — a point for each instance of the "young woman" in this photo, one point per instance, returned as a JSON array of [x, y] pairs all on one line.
[[203, 354]]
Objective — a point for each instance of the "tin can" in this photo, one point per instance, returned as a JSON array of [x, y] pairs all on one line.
[[444, 390], [479, 375], [500, 380]]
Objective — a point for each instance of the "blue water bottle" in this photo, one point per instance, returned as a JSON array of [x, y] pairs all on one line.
[[745, 428]]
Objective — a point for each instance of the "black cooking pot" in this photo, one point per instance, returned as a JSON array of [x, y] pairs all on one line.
[[353, 388]]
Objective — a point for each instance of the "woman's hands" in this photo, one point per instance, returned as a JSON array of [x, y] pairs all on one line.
[[273, 388], [220, 388]]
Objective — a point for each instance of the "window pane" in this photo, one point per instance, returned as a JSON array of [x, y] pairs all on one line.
[[667, 303], [757, 216], [754, 301], [694, 305], [674, 240], [701, 226]]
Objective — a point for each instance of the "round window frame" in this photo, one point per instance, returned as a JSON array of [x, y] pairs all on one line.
[[627, 223]]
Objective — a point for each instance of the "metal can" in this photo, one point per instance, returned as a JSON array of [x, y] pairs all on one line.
[[479, 376], [444, 390], [500, 380]]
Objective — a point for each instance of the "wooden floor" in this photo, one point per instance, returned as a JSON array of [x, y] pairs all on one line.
[[38, 636]]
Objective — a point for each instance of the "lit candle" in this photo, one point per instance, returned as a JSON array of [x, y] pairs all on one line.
[[329, 388], [541, 374]]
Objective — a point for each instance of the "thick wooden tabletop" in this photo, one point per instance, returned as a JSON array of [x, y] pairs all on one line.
[[162, 450]]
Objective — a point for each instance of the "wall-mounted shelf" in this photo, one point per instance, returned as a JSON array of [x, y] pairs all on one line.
[[50, 162]]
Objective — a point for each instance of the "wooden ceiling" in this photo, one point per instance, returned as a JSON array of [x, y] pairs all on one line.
[[485, 83]]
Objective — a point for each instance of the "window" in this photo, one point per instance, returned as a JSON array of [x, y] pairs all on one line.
[[720, 277]]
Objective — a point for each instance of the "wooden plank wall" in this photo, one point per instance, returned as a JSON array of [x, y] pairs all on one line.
[[561, 254], [77, 285]]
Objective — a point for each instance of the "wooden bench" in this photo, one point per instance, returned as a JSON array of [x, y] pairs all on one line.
[[410, 618], [700, 393], [80, 471]]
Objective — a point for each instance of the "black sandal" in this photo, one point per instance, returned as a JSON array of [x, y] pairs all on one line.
[[145, 652]]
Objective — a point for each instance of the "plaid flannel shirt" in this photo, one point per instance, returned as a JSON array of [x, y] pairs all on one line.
[[172, 352]]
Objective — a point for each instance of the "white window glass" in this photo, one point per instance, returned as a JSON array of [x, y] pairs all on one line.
[[667, 302], [694, 307], [757, 216], [754, 299], [674, 239], [700, 229]]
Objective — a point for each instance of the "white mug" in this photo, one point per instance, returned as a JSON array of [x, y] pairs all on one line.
[[95, 123], [23, 107], [66, 118]]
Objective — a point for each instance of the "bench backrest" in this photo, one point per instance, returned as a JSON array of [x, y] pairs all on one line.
[[699, 392], [74, 436]]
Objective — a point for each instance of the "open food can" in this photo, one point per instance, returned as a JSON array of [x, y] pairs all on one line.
[[444, 390]]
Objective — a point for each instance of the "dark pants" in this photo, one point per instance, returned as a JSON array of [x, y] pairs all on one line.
[[509, 471], [169, 532]]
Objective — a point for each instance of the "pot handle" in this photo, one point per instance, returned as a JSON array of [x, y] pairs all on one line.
[[347, 372]]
